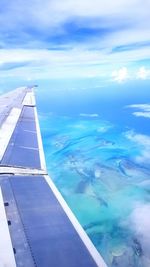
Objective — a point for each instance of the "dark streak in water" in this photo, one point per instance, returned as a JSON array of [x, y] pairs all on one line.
[[137, 247], [81, 187], [91, 225]]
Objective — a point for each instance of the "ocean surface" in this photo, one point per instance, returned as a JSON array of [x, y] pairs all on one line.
[[97, 145]]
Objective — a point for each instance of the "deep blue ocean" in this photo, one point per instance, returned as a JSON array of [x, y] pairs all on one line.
[[97, 147]]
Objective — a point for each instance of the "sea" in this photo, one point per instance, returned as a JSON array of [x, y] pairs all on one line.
[[96, 137]]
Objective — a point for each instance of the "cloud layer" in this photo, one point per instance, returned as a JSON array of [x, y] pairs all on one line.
[[139, 222], [74, 38], [142, 141], [143, 110]]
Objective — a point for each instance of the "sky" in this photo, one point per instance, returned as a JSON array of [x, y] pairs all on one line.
[[65, 39]]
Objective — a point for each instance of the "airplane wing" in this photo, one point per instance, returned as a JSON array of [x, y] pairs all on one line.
[[37, 228]]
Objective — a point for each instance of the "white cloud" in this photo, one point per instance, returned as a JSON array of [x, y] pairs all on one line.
[[104, 129], [144, 107], [143, 142], [143, 110], [92, 115], [75, 62], [58, 11], [94, 57], [141, 114], [143, 73], [141, 218], [140, 139], [120, 75], [140, 224]]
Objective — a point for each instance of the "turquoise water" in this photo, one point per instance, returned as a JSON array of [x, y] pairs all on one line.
[[102, 168]]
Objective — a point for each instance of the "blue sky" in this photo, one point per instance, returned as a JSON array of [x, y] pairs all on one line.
[[51, 39]]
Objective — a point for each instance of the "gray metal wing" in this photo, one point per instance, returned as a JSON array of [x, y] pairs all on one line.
[[36, 225]]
